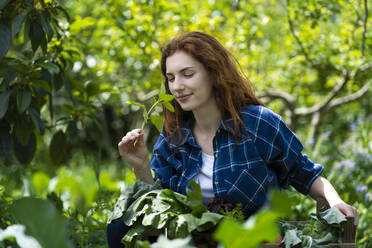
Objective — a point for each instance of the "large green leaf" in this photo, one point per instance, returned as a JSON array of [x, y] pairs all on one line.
[[22, 129], [157, 121], [51, 67], [5, 39], [19, 20], [6, 140], [166, 97], [23, 99], [332, 216], [4, 101], [44, 20], [92, 89], [8, 79], [38, 122], [42, 221], [131, 194], [168, 106], [42, 84], [25, 153], [290, 239], [57, 147], [36, 35]]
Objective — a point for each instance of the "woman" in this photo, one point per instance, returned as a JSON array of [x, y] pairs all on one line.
[[221, 135]]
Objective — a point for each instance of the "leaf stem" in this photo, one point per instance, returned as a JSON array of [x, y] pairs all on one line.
[[147, 117]]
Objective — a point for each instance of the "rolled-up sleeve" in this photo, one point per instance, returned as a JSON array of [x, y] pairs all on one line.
[[282, 152]]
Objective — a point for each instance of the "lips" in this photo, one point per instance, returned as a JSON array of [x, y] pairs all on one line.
[[183, 98]]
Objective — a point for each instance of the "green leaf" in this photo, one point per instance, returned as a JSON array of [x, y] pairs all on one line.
[[44, 20], [157, 121], [41, 182], [58, 80], [291, 239], [57, 147], [8, 79], [166, 97], [135, 104], [25, 153], [193, 191], [92, 89], [280, 202], [42, 84], [255, 230], [209, 220], [3, 3], [162, 89], [38, 122], [41, 220], [5, 39], [44, 44], [4, 101], [22, 130], [51, 67], [130, 194], [19, 20], [168, 106], [36, 35], [6, 140], [23, 99], [332, 216]]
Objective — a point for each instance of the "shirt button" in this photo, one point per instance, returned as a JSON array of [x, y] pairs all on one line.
[[216, 182], [216, 155]]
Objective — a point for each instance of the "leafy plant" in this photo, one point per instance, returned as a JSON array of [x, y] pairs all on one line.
[[323, 228], [163, 99], [164, 211]]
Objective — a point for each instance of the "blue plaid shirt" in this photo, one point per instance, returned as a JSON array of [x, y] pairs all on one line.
[[268, 155]]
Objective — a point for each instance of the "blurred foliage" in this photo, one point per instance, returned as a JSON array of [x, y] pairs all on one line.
[[67, 69]]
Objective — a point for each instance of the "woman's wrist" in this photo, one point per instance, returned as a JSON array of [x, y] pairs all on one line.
[[143, 172]]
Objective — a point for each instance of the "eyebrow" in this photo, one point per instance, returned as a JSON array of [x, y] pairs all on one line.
[[182, 70]]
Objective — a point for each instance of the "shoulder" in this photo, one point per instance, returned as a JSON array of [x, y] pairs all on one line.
[[256, 117]]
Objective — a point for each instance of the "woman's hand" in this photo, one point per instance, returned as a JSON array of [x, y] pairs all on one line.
[[133, 150], [348, 210], [323, 189]]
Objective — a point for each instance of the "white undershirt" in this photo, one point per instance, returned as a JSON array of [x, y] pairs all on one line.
[[204, 178]]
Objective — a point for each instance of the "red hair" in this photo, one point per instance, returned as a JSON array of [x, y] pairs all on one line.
[[232, 89]]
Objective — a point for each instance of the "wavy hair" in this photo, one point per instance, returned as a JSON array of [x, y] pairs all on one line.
[[232, 89]]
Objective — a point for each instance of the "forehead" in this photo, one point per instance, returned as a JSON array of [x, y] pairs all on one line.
[[180, 60]]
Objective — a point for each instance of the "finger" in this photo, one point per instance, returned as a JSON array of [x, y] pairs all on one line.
[[138, 131]]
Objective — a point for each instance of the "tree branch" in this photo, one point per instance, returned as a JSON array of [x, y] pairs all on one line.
[[320, 106], [315, 123], [293, 32], [277, 94], [349, 98]]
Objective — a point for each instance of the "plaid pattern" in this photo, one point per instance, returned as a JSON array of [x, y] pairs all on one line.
[[268, 155]]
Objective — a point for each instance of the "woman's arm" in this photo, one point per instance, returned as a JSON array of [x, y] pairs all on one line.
[[322, 188]]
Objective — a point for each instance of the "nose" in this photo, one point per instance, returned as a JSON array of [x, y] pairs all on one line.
[[177, 84]]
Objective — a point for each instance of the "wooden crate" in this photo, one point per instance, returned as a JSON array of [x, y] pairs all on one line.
[[348, 239]]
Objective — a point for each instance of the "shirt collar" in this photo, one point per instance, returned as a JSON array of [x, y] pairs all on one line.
[[189, 138]]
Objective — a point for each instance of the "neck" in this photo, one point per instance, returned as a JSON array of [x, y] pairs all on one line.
[[207, 120]]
